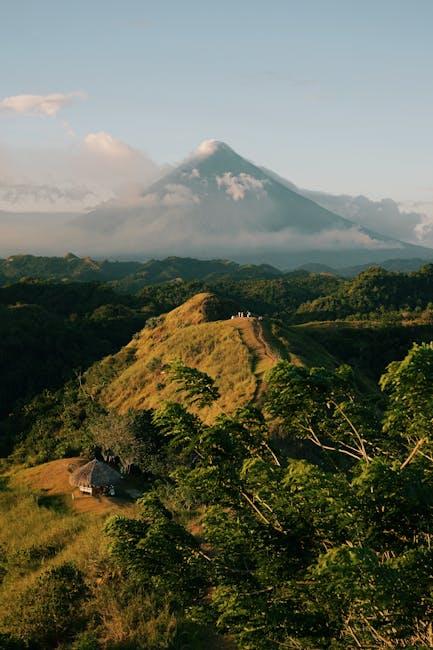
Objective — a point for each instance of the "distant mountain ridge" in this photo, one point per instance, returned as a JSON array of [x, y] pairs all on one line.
[[131, 275], [69, 267], [386, 215], [396, 265]]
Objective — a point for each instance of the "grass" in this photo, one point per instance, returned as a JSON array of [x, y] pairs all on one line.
[[215, 348], [237, 353], [50, 482], [32, 538], [39, 531], [41, 527], [300, 348], [234, 352], [40, 524]]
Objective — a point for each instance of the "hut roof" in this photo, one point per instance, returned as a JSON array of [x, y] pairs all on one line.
[[94, 474]]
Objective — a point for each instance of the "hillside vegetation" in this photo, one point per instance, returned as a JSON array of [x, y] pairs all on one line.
[[201, 334], [127, 276], [284, 463], [49, 333]]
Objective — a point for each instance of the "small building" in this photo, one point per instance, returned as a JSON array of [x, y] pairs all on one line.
[[95, 478]]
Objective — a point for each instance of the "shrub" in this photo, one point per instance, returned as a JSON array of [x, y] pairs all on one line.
[[48, 611]]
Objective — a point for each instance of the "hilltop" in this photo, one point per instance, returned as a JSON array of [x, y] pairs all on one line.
[[201, 333], [237, 352]]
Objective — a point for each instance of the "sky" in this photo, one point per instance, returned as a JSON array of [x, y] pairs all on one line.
[[334, 95]]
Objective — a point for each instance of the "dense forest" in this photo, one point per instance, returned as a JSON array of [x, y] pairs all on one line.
[[300, 518]]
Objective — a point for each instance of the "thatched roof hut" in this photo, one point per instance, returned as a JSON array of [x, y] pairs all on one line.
[[94, 476]]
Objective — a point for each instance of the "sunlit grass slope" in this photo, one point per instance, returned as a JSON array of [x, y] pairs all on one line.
[[236, 352], [40, 528]]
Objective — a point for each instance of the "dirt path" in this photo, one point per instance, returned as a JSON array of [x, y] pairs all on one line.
[[267, 351], [251, 331]]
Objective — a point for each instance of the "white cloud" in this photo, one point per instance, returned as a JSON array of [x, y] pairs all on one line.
[[206, 148], [104, 144], [48, 105], [238, 186], [178, 195], [74, 178], [424, 229], [26, 197]]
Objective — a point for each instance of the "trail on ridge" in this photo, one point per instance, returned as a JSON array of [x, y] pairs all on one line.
[[251, 331]]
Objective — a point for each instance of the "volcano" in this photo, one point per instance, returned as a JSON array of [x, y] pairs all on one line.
[[218, 204]]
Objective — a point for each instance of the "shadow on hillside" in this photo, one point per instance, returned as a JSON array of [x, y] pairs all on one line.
[[55, 502], [4, 483]]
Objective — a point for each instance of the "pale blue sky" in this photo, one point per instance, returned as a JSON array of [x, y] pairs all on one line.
[[335, 95]]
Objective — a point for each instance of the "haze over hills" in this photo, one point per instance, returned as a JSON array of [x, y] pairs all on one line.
[[216, 204]]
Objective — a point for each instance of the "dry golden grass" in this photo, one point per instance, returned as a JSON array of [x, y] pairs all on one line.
[[37, 534], [52, 479], [235, 352], [41, 527]]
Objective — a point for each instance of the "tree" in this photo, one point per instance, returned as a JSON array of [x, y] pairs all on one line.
[[155, 549], [199, 387], [408, 386], [322, 406], [130, 439]]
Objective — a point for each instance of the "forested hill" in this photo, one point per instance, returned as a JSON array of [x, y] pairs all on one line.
[[302, 296], [375, 293], [127, 276], [285, 494], [51, 330], [70, 267]]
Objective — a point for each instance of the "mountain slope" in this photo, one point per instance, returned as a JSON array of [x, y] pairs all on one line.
[[390, 217], [217, 203], [236, 352]]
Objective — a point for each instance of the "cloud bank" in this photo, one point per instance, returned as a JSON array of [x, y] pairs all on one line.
[[75, 178], [177, 218], [385, 215], [94, 169]]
